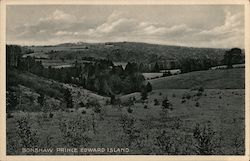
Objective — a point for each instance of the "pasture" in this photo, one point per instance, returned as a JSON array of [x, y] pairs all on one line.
[[223, 110], [143, 126]]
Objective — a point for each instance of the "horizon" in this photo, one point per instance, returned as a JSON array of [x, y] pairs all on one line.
[[76, 43]]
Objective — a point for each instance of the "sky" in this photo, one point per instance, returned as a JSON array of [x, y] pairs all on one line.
[[214, 26]]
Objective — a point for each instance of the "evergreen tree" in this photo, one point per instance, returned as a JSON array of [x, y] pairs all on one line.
[[149, 87], [156, 67], [166, 104], [144, 93], [68, 98]]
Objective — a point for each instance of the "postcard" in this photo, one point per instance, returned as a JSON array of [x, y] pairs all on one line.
[[124, 80]]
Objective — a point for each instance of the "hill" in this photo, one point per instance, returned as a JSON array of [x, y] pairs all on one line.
[[211, 79], [128, 51]]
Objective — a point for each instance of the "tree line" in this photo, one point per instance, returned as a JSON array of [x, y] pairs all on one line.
[[101, 75]]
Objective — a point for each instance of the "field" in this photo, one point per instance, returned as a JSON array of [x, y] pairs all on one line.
[[152, 75], [143, 126], [211, 79]]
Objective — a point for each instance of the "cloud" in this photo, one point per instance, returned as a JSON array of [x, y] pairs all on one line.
[[60, 25], [59, 15]]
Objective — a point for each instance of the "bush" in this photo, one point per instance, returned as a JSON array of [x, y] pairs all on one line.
[[201, 89], [51, 115], [74, 132], [145, 106], [205, 139], [149, 87], [28, 138], [164, 142], [197, 104], [130, 110], [199, 94], [183, 101], [130, 132], [166, 104], [144, 93], [84, 112], [156, 102]]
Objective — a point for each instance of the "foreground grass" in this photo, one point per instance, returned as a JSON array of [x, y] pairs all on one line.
[[222, 110]]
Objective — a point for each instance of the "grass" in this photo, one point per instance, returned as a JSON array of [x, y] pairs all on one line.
[[39, 84], [226, 116], [210, 79], [222, 108]]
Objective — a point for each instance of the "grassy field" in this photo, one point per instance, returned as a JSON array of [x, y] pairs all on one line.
[[201, 121], [211, 79], [222, 109]]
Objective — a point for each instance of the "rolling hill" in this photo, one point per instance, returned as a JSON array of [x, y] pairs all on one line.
[[210, 79], [128, 51]]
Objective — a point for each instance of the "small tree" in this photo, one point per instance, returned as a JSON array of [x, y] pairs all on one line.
[[68, 99], [165, 143], [27, 137], [149, 87], [130, 131], [74, 132], [166, 104], [144, 92], [40, 99], [156, 102], [233, 56], [156, 67], [205, 139]]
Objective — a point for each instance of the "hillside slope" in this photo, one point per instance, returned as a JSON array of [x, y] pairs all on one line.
[[128, 51], [211, 79]]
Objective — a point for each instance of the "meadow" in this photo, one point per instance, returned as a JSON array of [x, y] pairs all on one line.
[[176, 118]]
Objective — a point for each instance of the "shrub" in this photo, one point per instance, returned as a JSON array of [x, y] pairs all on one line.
[[166, 104], [199, 94], [130, 110], [197, 104], [28, 138], [74, 132], [145, 106], [205, 139], [164, 142], [149, 87], [130, 132], [51, 115], [188, 96], [183, 101], [68, 98], [156, 102], [201, 89], [144, 93]]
